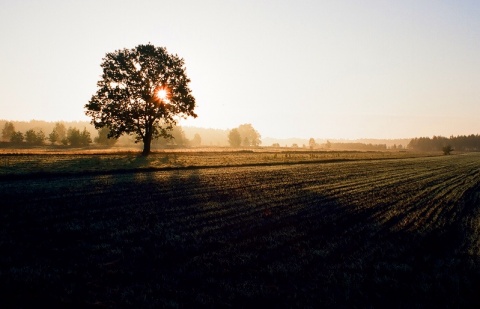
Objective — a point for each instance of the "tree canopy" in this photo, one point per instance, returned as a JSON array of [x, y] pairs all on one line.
[[33, 137], [234, 138], [77, 139], [8, 131], [249, 136], [17, 137], [244, 135], [142, 92], [58, 133]]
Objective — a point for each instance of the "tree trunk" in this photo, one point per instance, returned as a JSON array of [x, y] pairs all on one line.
[[147, 140]]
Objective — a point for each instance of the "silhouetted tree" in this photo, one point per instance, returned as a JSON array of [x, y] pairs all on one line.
[[234, 138], [178, 137], [53, 137], [8, 131], [103, 139], [141, 92], [17, 137], [249, 135], [30, 136], [197, 140], [76, 138], [40, 137], [312, 143], [58, 133], [175, 138], [34, 138]]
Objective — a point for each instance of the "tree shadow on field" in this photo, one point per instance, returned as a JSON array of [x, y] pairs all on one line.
[[61, 165], [221, 238]]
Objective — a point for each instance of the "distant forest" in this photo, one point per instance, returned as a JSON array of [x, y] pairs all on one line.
[[183, 136], [208, 137], [459, 143]]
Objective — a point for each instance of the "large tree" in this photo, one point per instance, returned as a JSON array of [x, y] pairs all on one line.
[[142, 91], [249, 136]]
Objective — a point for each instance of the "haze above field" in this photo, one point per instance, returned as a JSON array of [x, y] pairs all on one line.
[[333, 69]]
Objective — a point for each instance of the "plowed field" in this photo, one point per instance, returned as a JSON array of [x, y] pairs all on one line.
[[382, 233]]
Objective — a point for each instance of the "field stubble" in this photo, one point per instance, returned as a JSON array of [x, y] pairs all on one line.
[[398, 232], [41, 162]]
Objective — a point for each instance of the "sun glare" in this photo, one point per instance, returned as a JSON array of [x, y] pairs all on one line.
[[162, 94]]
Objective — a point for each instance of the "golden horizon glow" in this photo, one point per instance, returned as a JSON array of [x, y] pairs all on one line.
[[351, 69]]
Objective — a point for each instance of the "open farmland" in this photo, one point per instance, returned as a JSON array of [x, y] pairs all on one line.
[[396, 232], [41, 162]]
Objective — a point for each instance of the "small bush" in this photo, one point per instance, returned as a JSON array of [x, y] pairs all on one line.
[[447, 150]]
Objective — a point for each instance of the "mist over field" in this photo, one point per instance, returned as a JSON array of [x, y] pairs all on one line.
[[210, 137]]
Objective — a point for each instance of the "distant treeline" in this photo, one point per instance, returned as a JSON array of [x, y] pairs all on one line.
[[436, 143], [356, 146], [81, 133], [39, 132], [183, 136]]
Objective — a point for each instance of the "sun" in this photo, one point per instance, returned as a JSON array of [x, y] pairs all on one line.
[[162, 94]]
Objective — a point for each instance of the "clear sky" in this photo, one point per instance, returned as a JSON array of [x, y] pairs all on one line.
[[291, 68]]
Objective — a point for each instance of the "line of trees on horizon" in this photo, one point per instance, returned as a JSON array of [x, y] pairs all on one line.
[[80, 134], [180, 137], [60, 135], [437, 143]]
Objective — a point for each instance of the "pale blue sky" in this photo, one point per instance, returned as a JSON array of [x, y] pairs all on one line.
[[332, 69]]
